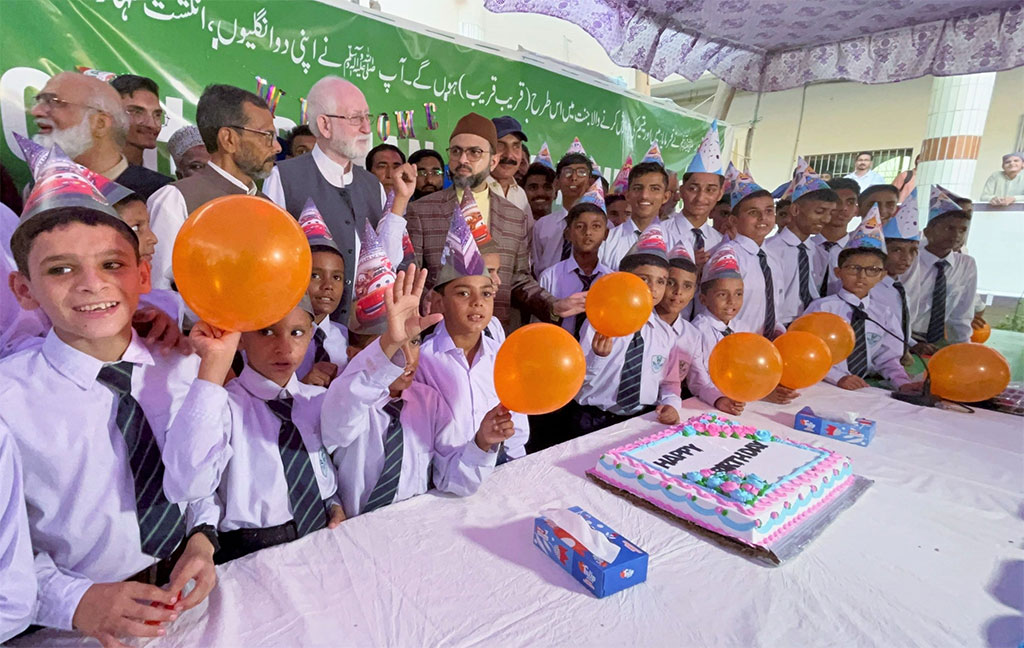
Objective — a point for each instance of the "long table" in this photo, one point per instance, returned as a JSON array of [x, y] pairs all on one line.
[[930, 555]]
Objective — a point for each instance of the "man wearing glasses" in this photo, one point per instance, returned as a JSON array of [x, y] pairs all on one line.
[[238, 130], [429, 172], [84, 116], [141, 99], [472, 150], [346, 194]]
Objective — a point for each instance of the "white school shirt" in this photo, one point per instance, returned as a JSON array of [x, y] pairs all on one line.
[[751, 315], [167, 213], [495, 330], [885, 296], [712, 330], [561, 281], [548, 234], [884, 348], [79, 489], [678, 229], [689, 361], [17, 573], [467, 390], [354, 420], [961, 286], [658, 386], [827, 261], [785, 247], [16, 324], [620, 239], [226, 441], [335, 344]]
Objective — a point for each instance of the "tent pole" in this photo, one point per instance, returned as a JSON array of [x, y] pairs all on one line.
[[749, 146]]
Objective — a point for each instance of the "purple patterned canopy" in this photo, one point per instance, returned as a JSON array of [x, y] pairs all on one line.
[[778, 44]]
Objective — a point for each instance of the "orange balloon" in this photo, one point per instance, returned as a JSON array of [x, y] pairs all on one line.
[[745, 366], [805, 359], [968, 372], [618, 304], [981, 335], [538, 369], [834, 330], [241, 263]]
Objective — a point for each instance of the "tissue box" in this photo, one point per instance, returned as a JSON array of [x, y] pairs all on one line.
[[859, 433], [600, 577]]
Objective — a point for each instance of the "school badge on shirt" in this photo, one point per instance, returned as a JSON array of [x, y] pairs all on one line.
[[324, 461], [657, 362]]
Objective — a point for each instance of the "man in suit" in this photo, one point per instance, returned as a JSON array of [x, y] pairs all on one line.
[[471, 158]]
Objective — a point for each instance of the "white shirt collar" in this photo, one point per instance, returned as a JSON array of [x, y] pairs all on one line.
[[747, 244], [852, 299], [445, 344], [791, 239], [265, 389], [928, 259], [232, 179], [332, 172], [81, 368]]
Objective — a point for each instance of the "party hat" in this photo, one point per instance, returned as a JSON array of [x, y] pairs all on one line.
[[36, 156], [680, 251], [374, 273], [595, 168], [709, 154], [315, 227], [654, 155], [722, 264], [621, 182], [475, 220], [544, 157], [868, 234], [461, 256], [904, 224], [651, 242], [576, 147], [801, 168], [807, 182], [940, 202], [741, 185], [594, 195], [389, 202], [105, 77]]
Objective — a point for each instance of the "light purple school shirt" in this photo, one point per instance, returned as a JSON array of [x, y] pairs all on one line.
[[751, 315], [961, 286], [546, 242], [785, 247], [827, 262], [689, 361], [561, 281], [17, 573], [335, 343]]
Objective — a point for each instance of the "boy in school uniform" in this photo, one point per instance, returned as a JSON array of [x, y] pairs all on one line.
[[629, 376], [813, 204], [326, 354], [457, 357], [679, 288], [878, 346], [721, 293], [648, 191], [572, 178], [702, 187], [887, 197], [586, 228], [97, 510], [397, 438], [902, 245], [834, 235], [941, 285], [18, 595]]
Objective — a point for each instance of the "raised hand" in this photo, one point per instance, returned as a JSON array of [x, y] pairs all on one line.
[[217, 349], [402, 301]]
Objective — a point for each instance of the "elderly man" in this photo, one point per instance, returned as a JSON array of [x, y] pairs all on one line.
[[510, 156], [140, 97], [471, 159], [1007, 186], [238, 131], [85, 117], [347, 195], [429, 172], [188, 151]]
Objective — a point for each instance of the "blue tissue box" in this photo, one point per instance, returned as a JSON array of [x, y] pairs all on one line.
[[859, 433], [601, 578]]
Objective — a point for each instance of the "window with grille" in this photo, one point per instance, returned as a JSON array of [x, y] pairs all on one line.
[[887, 162]]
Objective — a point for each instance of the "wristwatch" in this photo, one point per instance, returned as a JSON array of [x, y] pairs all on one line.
[[207, 530]]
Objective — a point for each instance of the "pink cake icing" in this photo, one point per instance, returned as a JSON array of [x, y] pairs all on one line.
[[706, 470]]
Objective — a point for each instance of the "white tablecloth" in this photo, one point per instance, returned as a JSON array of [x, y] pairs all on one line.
[[929, 556]]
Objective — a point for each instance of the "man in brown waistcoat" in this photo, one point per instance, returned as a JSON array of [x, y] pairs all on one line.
[[238, 131]]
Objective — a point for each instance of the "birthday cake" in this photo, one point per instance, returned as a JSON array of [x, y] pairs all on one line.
[[733, 479]]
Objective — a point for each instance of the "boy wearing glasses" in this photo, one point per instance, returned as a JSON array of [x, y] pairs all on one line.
[[878, 346], [572, 179]]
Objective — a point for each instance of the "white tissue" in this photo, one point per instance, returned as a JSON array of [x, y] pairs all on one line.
[[839, 417], [578, 528]]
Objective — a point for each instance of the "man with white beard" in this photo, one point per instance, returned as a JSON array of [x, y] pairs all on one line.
[[346, 194], [238, 131], [85, 117]]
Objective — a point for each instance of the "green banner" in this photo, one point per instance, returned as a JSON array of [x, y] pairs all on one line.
[[185, 44]]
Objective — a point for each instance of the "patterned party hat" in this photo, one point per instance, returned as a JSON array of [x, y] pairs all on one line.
[[807, 182], [722, 264], [595, 168], [651, 241], [904, 224], [869, 233], [544, 157], [576, 147], [313, 224], [105, 77], [741, 185], [389, 202], [594, 195], [679, 252], [374, 273], [801, 168], [59, 182], [461, 256], [35, 154], [940, 202], [654, 155], [621, 182], [475, 220], [709, 154]]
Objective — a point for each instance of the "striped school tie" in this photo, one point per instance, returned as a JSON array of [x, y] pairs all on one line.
[[823, 290], [804, 273], [628, 396], [937, 318], [727, 331], [769, 295], [586, 281], [161, 523], [698, 239], [319, 352], [904, 311], [857, 363], [308, 510], [566, 249], [387, 484]]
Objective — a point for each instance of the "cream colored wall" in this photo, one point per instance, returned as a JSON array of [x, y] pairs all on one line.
[[848, 116]]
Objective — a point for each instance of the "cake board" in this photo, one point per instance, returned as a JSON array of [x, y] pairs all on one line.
[[781, 551]]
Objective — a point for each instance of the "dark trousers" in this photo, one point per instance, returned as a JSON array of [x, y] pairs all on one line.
[[242, 542], [587, 418], [573, 420]]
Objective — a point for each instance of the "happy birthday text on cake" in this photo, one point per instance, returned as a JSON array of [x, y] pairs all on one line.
[[732, 462]]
